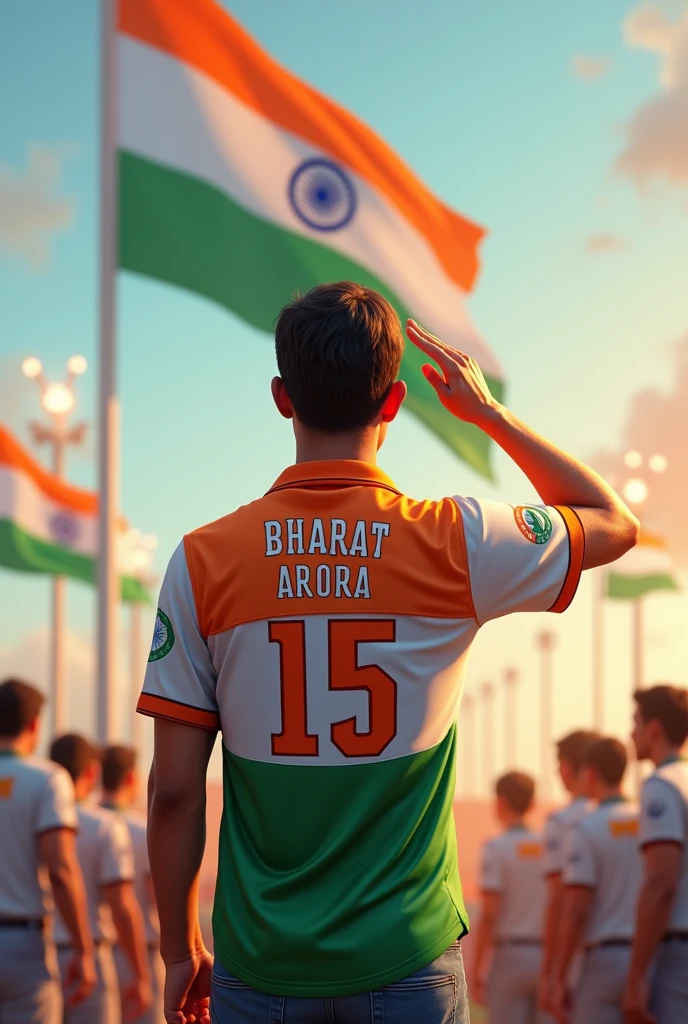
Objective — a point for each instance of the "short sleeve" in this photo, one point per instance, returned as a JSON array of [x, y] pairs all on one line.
[[554, 834], [116, 862], [491, 875], [521, 558], [57, 805], [580, 866], [662, 813], [180, 678]]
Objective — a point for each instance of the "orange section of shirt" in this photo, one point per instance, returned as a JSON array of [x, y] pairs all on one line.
[[330, 539]]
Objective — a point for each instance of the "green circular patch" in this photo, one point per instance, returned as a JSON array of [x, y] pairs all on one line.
[[163, 637], [534, 523]]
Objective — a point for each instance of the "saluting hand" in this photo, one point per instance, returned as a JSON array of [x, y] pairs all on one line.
[[635, 1003], [459, 383]]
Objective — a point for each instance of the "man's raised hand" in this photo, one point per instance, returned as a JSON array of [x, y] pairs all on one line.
[[459, 383]]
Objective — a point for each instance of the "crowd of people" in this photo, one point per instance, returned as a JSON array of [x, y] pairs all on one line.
[[588, 922], [79, 937]]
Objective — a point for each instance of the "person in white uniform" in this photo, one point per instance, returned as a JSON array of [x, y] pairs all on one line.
[[571, 750], [106, 857], [659, 734], [120, 793], [513, 903], [601, 878], [38, 822]]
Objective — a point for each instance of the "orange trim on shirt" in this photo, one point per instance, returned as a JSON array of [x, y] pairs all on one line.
[[576, 534], [163, 707]]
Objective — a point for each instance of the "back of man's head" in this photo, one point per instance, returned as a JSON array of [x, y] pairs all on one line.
[[574, 746], [667, 705], [20, 706], [517, 790], [119, 761], [608, 759], [74, 752], [339, 350]]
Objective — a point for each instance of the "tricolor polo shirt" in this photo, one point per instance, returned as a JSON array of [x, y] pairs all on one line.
[[324, 629]]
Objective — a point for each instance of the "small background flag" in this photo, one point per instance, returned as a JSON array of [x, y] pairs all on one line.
[[240, 182], [49, 526], [646, 567]]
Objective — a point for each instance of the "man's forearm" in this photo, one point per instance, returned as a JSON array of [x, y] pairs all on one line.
[[570, 932], [550, 931], [176, 841], [652, 918], [484, 942], [70, 899], [128, 922], [559, 478]]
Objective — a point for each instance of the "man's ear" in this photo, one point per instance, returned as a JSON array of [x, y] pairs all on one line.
[[394, 401], [281, 398]]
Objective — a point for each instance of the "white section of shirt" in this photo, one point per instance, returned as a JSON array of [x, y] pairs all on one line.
[[602, 854], [35, 796], [509, 572], [664, 818], [510, 867]]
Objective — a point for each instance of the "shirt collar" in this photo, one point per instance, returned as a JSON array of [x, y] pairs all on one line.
[[612, 800], [672, 759], [338, 472], [520, 827]]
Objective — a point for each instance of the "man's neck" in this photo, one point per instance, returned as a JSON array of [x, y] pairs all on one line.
[[360, 446], [665, 751], [608, 793], [16, 745], [115, 798]]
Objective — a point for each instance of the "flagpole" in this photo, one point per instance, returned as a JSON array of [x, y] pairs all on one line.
[[108, 468], [637, 640], [598, 583]]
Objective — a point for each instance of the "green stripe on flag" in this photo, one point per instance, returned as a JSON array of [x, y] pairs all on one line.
[[179, 229], [23, 552], [628, 588]]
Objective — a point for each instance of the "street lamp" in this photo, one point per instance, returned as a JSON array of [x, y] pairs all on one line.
[[511, 679], [140, 552], [546, 641], [58, 400]]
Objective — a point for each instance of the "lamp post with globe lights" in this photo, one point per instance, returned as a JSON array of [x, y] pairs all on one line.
[[58, 400], [140, 552]]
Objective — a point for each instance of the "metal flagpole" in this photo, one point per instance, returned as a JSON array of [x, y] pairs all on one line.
[[599, 578], [637, 630], [58, 688], [108, 576], [545, 642]]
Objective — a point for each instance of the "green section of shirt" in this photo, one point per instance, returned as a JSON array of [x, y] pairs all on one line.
[[337, 879]]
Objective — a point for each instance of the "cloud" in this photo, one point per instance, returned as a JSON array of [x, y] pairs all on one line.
[[596, 244], [657, 423], [656, 145], [590, 68], [30, 210]]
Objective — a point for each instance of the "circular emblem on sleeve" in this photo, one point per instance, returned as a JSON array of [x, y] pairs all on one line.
[[163, 637], [322, 195], [534, 523], [655, 809]]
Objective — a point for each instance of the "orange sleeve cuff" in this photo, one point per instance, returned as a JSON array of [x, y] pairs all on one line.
[[175, 711], [574, 528]]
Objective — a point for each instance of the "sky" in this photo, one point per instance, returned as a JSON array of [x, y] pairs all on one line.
[[561, 128]]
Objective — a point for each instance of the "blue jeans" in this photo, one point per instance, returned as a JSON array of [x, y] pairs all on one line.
[[434, 995]]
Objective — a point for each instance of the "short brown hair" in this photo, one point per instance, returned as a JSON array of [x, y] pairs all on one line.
[[20, 705], [74, 752], [574, 746], [518, 789], [118, 761], [608, 757], [339, 350], [667, 705]]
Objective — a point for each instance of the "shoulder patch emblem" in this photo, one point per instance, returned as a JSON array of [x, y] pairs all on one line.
[[534, 523], [163, 637], [655, 809], [618, 829]]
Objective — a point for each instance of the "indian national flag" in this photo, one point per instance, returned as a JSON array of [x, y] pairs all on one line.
[[646, 567], [242, 183], [49, 526]]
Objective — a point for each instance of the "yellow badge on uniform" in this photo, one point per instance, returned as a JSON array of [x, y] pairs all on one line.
[[529, 851], [6, 787], [619, 829]]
